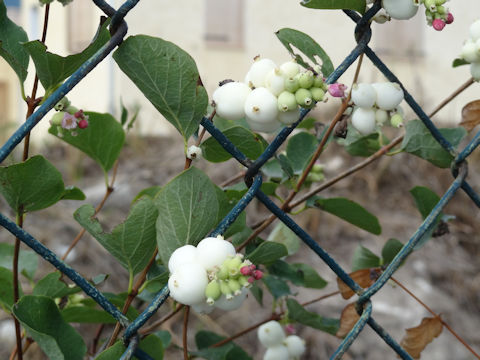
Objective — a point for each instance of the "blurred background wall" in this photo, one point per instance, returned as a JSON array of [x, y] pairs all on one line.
[[223, 36]]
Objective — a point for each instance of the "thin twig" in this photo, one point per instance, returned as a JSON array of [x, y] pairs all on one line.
[[188, 161], [185, 332], [234, 178], [274, 316], [108, 192], [459, 338], [146, 330]]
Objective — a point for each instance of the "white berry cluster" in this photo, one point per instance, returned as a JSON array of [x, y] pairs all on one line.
[[271, 94], [210, 275], [375, 104], [471, 50], [279, 346], [436, 13]]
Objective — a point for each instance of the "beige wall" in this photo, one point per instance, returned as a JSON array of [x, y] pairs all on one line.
[[428, 76]]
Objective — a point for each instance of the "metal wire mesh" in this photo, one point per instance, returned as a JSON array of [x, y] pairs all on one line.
[[253, 179]]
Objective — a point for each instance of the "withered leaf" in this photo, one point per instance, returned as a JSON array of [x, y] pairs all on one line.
[[348, 319], [417, 338], [363, 277], [471, 115]]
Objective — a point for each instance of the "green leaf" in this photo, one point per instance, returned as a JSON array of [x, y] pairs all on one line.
[[168, 77], [307, 46], [300, 149], [298, 313], [276, 286], [281, 234], [246, 141], [34, 184], [53, 69], [6, 289], [132, 243], [273, 170], [390, 250], [52, 286], [419, 141], [425, 199], [358, 5], [364, 259], [11, 38], [349, 211], [229, 351], [165, 337], [157, 278], [152, 345], [73, 193], [86, 315], [43, 322], [188, 209], [151, 192], [285, 165], [357, 144], [267, 253], [459, 62], [102, 140], [308, 123], [27, 261], [311, 279], [257, 293]]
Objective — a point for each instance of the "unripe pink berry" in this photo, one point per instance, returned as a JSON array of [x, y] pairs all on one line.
[[290, 329], [438, 24], [83, 124], [257, 274], [245, 270], [251, 279], [450, 18], [337, 90], [78, 114]]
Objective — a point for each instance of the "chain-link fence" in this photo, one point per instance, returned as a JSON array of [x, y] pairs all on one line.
[[253, 179]]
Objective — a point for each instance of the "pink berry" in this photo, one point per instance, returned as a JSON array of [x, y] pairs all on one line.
[[438, 24], [245, 270], [257, 274], [290, 329], [337, 90], [83, 124], [78, 114], [251, 279], [450, 18]]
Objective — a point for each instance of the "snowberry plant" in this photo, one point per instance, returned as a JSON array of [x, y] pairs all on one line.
[[186, 242]]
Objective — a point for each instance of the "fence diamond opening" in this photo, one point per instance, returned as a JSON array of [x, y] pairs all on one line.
[[253, 179]]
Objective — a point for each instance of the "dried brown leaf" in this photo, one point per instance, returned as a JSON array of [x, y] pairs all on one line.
[[363, 277], [417, 338], [348, 319], [471, 115]]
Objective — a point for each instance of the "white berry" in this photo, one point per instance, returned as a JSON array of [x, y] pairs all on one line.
[[295, 346], [275, 82], [400, 9], [265, 127], [389, 95], [187, 283], [290, 69], [289, 117], [233, 303], [475, 30], [470, 51], [475, 70], [259, 71], [277, 352], [202, 308], [230, 100], [261, 106], [381, 116], [271, 334], [364, 120], [213, 252], [182, 255], [194, 152], [364, 95]]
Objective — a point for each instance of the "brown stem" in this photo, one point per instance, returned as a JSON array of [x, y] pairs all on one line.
[[99, 207], [452, 96], [154, 325], [98, 333], [274, 316], [131, 296], [234, 178], [459, 338], [185, 331]]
